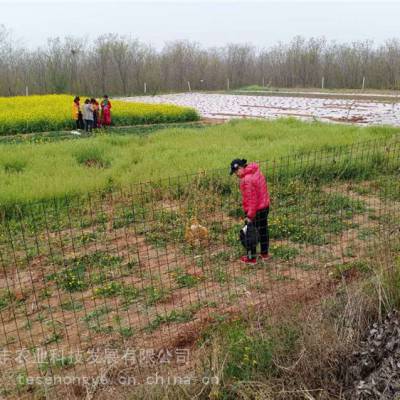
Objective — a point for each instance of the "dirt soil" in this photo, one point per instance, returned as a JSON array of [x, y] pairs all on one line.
[[35, 319]]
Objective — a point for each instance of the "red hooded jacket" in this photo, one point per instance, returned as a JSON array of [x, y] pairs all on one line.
[[254, 190]]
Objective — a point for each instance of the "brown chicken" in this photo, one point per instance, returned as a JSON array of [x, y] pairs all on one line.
[[196, 234]]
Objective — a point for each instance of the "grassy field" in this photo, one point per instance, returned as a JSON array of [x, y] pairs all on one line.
[[31, 171], [53, 112]]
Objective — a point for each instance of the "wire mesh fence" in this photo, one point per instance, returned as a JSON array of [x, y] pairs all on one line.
[[134, 274]]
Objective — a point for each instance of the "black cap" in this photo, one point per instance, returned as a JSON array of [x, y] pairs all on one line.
[[236, 163]]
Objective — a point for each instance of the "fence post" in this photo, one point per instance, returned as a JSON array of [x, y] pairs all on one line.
[[263, 83], [227, 84], [145, 88], [323, 83], [26, 91], [273, 178], [363, 84], [190, 89]]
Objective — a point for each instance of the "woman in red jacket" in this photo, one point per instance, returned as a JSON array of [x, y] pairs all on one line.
[[105, 111], [256, 201]]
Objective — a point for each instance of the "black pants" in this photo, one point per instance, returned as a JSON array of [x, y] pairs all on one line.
[[88, 125], [79, 122], [261, 223]]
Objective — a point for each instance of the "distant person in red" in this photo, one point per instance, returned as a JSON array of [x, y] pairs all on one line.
[[105, 111], [256, 201]]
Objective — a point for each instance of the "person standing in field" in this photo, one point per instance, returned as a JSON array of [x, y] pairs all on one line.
[[88, 115], [77, 113], [95, 108], [105, 111], [256, 202]]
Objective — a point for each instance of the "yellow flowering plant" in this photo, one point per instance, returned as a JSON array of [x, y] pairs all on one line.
[[45, 113]]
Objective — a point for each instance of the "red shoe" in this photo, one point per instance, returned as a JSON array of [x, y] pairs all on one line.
[[247, 260], [265, 257]]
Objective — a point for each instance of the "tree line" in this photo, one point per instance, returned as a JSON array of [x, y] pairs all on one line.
[[120, 65]]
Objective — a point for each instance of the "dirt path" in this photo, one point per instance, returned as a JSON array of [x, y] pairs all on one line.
[[58, 135]]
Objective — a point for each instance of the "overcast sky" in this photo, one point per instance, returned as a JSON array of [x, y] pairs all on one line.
[[211, 23]]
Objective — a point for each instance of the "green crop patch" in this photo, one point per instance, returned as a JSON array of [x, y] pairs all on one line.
[[103, 162]]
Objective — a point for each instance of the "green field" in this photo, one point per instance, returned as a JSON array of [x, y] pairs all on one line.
[[31, 171]]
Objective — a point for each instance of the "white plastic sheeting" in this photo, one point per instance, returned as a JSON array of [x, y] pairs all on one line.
[[227, 106]]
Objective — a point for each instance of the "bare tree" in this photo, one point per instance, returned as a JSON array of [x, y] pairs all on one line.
[[120, 65]]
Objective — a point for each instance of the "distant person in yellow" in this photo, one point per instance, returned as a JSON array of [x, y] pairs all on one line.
[[77, 113]]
